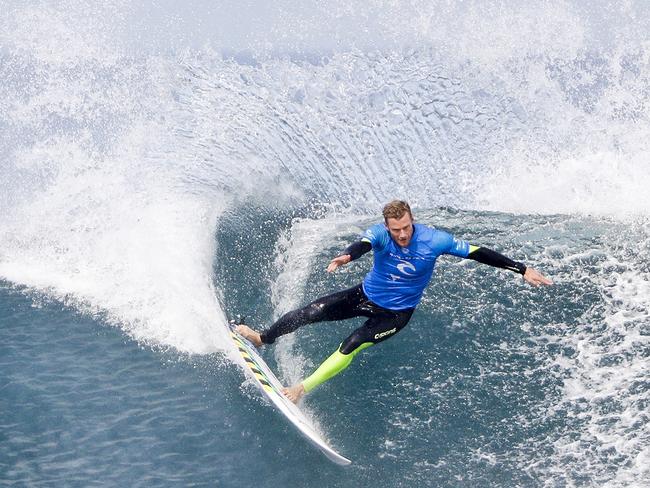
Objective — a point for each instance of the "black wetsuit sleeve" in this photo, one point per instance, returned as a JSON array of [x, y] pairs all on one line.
[[357, 249], [493, 258]]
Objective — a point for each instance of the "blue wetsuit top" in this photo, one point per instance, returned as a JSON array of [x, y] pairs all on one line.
[[400, 274]]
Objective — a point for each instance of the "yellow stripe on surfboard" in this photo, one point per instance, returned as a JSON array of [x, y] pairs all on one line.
[[250, 362]]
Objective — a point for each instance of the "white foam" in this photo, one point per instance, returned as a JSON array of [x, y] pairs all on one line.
[[67, 32], [145, 261], [295, 254], [604, 399], [598, 181]]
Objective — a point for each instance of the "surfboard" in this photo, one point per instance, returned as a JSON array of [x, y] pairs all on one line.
[[258, 370]]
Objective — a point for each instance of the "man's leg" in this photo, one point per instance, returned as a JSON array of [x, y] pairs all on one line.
[[337, 306], [382, 325]]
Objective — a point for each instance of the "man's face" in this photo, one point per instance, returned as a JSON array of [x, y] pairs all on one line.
[[401, 230]]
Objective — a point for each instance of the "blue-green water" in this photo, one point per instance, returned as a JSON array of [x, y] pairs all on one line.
[[148, 195]]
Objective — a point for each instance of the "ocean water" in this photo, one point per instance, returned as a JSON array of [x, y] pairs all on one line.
[[164, 169]]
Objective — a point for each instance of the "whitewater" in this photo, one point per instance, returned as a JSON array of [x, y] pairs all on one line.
[[165, 168]]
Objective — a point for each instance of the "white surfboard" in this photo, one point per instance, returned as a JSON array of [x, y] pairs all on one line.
[[257, 369]]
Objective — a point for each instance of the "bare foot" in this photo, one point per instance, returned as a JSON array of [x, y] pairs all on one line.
[[250, 334], [294, 393]]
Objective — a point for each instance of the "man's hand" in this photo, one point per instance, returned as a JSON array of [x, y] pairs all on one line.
[[536, 278], [338, 261]]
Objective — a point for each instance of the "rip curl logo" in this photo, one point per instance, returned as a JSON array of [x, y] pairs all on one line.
[[404, 267], [386, 333]]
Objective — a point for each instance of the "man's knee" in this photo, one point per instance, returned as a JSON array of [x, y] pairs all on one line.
[[301, 316], [313, 312], [353, 343], [368, 335], [354, 348]]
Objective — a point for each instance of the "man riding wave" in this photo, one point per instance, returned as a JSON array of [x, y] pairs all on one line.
[[405, 254]]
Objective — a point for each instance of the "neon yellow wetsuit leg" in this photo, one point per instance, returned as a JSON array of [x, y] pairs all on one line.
[[382, 325], [332, 366]]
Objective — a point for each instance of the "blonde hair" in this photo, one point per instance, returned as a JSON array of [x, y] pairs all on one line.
[[396, 210]]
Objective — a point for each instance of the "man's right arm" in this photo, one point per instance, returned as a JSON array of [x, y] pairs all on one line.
[[357, 249], [352, 252]]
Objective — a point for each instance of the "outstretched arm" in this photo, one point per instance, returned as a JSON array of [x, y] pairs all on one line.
[[493, 258], [352, 252]]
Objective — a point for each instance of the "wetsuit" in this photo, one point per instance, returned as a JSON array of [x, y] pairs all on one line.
[[389, 292]]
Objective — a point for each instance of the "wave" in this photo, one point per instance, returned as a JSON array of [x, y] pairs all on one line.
[[119, 165], [145, 175]]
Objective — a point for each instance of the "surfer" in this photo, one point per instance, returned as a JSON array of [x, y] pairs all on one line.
[[404, 258]]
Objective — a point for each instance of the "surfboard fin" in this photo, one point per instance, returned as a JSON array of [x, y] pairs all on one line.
[[238, 320]]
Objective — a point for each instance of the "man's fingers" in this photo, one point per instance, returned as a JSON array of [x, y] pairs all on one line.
[[333, 265], [536, 278], [542, 280], [546, 281], [338, 261]]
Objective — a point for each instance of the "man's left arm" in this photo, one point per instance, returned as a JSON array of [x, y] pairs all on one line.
[[492, 258]]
